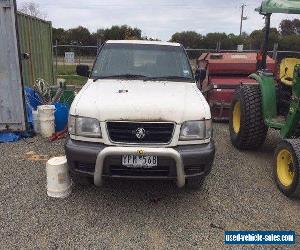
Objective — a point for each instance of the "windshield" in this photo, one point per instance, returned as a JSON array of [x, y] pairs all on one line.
[[142, 61]]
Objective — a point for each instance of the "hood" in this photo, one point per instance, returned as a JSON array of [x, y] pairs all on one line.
[[137, 100]]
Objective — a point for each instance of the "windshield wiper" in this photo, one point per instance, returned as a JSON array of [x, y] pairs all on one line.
[[129, 76], [161, 78]]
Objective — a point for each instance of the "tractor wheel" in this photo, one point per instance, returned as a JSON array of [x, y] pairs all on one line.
[[286, 168], [246, 123]]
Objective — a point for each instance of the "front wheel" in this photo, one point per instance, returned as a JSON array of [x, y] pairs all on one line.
[[286, 168], [246, 123]]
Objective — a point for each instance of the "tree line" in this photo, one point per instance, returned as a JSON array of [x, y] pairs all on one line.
[[287, 37], [82, 36]]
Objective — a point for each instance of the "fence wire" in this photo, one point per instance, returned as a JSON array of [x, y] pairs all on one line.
[[87, 54]]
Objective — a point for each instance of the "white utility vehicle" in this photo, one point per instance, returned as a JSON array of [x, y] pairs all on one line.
[[140, 116]]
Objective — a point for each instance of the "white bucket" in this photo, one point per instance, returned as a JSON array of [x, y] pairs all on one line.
[[58, 179], [36, 122], [47, 120]]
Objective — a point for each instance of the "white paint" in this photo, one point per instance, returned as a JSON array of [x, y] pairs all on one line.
[[145, 101], [70, 57], [141, 101], [240, 47], [236, 56], [46, 118], [58, 179], [144, 42], [36, 122], [174, 142]]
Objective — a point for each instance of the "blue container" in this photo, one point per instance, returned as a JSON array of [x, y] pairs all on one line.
[[33, 100], [61, 116]]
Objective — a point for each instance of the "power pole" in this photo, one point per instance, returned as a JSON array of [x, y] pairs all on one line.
[[242, 19]]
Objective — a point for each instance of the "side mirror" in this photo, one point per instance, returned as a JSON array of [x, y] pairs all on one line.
[[200, 74], [83, 70]]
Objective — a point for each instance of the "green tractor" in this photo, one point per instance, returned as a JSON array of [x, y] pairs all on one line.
[[271, 104]]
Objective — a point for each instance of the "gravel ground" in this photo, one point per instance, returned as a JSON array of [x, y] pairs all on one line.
[[238, 195]]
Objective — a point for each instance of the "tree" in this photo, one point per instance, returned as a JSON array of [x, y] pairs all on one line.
[[290, 27], [82, 35], [296, 23], [257, 38], [189, 39], [32, 9], [211, 39], [118, 33], [122, 32], [290, 43], [59, 35], [79, 35]]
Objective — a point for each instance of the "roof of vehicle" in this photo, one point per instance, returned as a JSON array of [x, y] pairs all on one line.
[[144, 42]]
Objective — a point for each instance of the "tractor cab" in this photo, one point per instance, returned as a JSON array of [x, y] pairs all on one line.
[[273, 103]]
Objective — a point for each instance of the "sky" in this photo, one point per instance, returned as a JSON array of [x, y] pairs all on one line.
[[156, 18]]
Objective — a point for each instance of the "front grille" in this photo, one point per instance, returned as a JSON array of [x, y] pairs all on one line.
[[190, 170], [113, 168], [143, 132], [85, 167], [161, 171]]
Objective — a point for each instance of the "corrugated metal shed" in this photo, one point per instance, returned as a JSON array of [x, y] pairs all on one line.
[[12, 113], [35, 36]]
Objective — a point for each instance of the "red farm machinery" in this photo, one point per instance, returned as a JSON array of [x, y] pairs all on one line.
[[225, 71]]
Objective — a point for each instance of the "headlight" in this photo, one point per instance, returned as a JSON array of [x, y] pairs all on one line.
[[71, 125], [196, 130], [83, 126]]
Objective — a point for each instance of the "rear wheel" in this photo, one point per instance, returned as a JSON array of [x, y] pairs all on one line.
[[246, 123], [286, 168]]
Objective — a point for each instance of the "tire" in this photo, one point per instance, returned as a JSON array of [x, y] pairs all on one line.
[[195, 183], [246, 124], [81, 180], [286, 169]]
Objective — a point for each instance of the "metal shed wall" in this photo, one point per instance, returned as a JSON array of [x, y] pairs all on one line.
[[12, 113], [35, 37]]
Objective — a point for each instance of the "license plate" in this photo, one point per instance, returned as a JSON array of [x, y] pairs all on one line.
[[134, 161]]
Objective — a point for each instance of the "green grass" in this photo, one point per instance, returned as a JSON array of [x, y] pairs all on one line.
[[66, 69], [73, 79], [68, 72]]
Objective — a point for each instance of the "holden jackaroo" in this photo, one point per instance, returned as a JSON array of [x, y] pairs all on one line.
[[140, 116]]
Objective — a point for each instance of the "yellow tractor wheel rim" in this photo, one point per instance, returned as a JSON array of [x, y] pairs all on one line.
[[285, 167], [237, 117]]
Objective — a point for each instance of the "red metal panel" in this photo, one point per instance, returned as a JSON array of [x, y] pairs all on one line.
[[230, 80], [219, 101], [219, 98], [226, 71], [234, 63]]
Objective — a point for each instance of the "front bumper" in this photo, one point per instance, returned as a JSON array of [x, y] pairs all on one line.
[[98, 161]]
